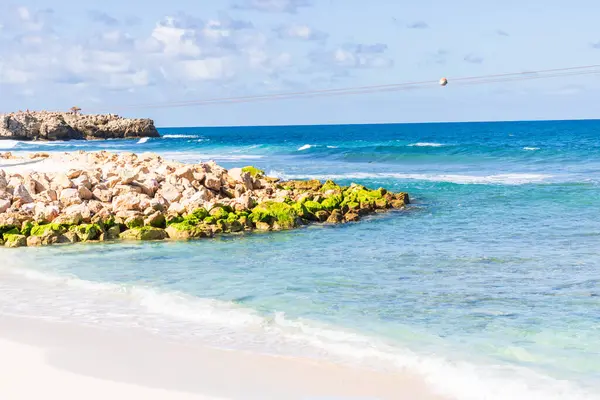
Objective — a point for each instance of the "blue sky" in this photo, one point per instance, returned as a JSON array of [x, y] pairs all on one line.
[[105, 55]]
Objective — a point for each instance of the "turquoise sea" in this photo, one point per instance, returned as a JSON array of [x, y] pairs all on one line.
[[488, 285]]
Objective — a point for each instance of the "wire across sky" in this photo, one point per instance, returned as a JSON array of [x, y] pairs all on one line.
[[357, 90]]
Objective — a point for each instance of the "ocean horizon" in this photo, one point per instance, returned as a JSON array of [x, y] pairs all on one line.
[[486, 285]]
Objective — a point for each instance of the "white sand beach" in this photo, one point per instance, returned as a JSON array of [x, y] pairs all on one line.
[[42, 359]]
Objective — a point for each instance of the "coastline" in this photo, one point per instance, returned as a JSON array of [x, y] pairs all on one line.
[[75, 361]]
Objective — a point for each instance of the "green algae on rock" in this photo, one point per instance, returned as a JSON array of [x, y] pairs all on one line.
[[253, 171], [143, 197], [144, 233]]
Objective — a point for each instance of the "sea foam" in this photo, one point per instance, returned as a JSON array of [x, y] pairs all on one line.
[[28, 292], [504, 179], [425, 144]]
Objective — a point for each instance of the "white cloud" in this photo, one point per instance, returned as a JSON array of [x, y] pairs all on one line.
[[286, 6], [300, 32], [208, 69], [352, 56], [177, 55], [10, 75]]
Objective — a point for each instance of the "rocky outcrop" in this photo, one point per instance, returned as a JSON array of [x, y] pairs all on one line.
[[144, 197], [44, 125]]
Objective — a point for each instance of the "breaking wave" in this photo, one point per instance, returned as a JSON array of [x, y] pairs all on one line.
[[225, 324]]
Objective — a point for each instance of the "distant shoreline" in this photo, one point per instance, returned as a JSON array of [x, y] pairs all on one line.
[[56, 125]]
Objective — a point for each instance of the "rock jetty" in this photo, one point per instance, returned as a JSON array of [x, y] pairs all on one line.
[[46, 125], [102, 196]]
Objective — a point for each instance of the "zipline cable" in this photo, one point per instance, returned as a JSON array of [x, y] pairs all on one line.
[[470, 80]]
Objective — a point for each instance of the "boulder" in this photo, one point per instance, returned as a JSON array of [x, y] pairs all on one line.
[[60, 182], [4, 205], [169, 192], [87, 232], [185, 231], [21, 195], [103, 195], [156, 220], [243, 177], [129, 201], [15, 240], [335, 217], [212, 182], [144, 233], [69, 197], [85, 193]]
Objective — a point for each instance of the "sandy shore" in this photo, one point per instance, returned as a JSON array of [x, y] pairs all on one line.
[[43, 359]]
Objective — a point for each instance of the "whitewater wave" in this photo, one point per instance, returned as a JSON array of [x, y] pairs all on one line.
[[130, 305], [426, 144], [192, 157], [8, 144], [306, 147], [180, 136], [143, 140], [531, 148], [504, 179]]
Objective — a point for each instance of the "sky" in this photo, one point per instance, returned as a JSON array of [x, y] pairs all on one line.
[[119, 56]]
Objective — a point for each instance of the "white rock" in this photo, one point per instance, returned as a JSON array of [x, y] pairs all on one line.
[[170, 193], [212, 182], [60, 182], [69, 197], [129, 201], [21, 195], [4, 205]]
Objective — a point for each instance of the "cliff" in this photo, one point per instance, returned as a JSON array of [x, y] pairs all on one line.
[[45, 125]]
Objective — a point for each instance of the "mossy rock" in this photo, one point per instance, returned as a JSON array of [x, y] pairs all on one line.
[[222, 225], [332, 202], [263, 226], [87, 232], [303, 211], [253, 171], [13, 231], [235, 226], [134, 222], [197, 216], [210, 220], [113, 232], [67, 237], [26, 228], [322, 215], [331, 185], [351, 217], [173, 219], [6, 228], [311, 185], [270, 211], [336, 217], [219, 213], [144, 233], [381, 203], [312, 206], [184, 231], [109, 222], [352, 206], [14, 240], [47, 229]]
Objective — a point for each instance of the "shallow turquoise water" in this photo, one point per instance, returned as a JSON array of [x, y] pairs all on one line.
[[494, 265]]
